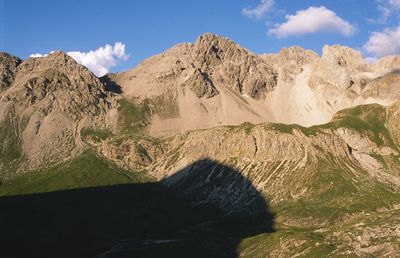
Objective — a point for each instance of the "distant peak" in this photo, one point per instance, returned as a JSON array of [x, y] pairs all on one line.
[[5, 55], [54, 59], [293, 50], [208, 38], [339, 50], [58, 54]]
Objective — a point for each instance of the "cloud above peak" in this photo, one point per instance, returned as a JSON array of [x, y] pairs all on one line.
[[260, 10], [312, 20], [102, 59], [99, 61], [386, 42]]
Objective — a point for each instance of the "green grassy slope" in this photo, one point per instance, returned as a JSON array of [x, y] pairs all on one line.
[[87, 170], [10, 145]]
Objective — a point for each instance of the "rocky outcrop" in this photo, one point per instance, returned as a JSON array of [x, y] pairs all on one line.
[[201, 85], [385, 88], [394, 121], [338, 67], [228, 63], [8, 68], [289, 62]]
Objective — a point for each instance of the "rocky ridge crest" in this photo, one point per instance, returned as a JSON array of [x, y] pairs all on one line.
[[214, 75]]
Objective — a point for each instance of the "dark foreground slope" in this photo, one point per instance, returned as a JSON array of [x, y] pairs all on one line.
[[91, 208]]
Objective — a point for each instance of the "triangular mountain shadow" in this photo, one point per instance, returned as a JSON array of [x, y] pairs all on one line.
[[205, 210]]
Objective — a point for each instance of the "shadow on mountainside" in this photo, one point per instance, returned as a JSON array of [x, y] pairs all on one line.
[[205, 210], [111, 85]]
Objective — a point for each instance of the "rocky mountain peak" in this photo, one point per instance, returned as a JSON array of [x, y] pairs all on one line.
[[57, 59], [48, 102], [342, 56], [228, 63], [298, 54], [208, 38], [57, 80], [290, 61], [213, 49], [339, 67], [213, 40], [219, 82]]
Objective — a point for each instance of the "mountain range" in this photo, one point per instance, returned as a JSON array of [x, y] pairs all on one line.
[[206, 146]]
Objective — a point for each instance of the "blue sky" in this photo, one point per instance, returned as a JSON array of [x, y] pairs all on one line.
[[149, 27]]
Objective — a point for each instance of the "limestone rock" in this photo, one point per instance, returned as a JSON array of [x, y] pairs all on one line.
[[228, 63], [338, 66], [385, 88], [201, 85], [290, 61], [394, 121]]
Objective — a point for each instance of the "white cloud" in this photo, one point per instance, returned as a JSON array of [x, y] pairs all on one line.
[[395, 3], [41, 55], [312, 20], [384, 43], [99, 61], [102, 59], [386, 9], [37, 55], [258, 12]]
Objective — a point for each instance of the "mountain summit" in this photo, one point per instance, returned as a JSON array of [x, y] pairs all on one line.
[[44, 101], [215, 81]]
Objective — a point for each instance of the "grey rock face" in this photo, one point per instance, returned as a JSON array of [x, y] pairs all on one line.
[[228, 63]]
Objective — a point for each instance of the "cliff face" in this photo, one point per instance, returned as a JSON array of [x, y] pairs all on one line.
[[394, 121]]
